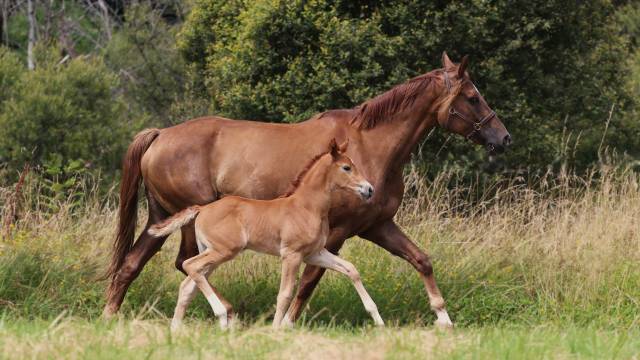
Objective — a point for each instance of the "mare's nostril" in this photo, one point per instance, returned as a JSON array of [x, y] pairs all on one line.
[[370, 191], [507, 140]]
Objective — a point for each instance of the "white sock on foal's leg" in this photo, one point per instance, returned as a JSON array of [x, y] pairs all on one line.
[[443, 319], [327, 260], [219, 309], [186, 293]]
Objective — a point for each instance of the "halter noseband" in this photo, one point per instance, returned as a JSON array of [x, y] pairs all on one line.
[[477, 125]]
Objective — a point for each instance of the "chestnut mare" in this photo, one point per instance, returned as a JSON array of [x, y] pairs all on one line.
[[294, 227], [202, 160]]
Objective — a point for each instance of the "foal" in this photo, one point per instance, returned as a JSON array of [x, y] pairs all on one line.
[[294, 227]]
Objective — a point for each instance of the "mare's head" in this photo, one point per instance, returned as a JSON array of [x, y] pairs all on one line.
[[464, 111], [343, 174]]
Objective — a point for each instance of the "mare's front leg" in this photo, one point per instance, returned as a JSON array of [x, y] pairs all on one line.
[[388, 236], [290, 266], [327, 260]]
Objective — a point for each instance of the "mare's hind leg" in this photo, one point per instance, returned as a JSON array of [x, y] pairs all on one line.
[[290, 266], [198, 268], [327, 260], [143, 249]]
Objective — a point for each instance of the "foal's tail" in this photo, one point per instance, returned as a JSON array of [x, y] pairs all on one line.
[[128, 212], [175, 222]]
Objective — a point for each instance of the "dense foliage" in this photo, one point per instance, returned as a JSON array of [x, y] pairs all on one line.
[[552, 71], [564, 78], [60, 111]]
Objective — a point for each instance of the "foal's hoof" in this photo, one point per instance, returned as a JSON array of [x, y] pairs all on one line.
[[443, 324], [286, 322], [175, 326]]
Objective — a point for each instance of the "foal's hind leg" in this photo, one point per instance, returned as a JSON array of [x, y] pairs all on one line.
[[327, 260], [188, 290], [198, 268], [189, 249]]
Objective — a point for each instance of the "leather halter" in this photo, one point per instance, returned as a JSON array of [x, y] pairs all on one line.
[[477, 125]]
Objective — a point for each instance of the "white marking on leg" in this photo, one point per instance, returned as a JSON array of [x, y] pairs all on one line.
[[443, 318], [286, 320], [185, 294], [327, 260], [219, 309]]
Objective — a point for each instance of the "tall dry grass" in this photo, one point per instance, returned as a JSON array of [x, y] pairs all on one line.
[[552, 248]]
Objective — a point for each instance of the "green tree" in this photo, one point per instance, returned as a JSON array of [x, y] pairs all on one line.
[[551, 70], [152, 72], [62, 111]]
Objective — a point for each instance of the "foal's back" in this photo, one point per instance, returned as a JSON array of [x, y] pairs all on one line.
[[237, 223]]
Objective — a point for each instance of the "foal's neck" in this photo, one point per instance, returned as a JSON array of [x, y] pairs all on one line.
[[313, 193]]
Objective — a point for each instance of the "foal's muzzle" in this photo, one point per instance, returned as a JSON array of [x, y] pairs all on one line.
[[365, 190]]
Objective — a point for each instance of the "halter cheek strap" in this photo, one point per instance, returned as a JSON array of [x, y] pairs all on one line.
[[477, 125]]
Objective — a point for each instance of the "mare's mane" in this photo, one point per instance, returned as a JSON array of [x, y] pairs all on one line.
[[382, 107]]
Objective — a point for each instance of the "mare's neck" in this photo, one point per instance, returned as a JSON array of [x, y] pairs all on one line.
[[389, 144]]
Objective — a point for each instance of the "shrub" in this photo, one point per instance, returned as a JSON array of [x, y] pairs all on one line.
[[552, 71], [67, 111]]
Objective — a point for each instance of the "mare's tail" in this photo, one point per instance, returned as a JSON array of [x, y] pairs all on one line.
[[127, 214], [175, 222]]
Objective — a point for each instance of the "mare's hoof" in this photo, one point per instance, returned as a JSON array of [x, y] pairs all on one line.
[[108, 313]]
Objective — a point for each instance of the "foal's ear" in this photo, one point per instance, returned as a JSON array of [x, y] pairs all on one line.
[[446, 62], [342, 148], [463, 66]]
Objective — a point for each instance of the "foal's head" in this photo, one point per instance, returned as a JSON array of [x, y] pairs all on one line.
[[465, 111], [343, 174]]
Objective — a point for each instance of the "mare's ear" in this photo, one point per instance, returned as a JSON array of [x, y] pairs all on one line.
[[463, 66], [446, 62], [342, 148], [333, 148]]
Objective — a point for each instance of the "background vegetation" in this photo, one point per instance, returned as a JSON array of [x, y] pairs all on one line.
[[563, 78], [535, 251]]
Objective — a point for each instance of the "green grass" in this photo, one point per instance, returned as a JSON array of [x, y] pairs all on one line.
[[532, 271], [123, 339]]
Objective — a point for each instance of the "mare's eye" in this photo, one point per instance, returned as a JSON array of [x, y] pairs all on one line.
[[346, 168], [474, 100]]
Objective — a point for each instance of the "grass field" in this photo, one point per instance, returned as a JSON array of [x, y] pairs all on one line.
[[78, 338], [536, 267]]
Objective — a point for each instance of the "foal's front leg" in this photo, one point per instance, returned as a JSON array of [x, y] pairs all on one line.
[[290, 266], [327, 260]]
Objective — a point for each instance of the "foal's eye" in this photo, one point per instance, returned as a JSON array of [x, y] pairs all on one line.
[[474, 100], [346, 168]]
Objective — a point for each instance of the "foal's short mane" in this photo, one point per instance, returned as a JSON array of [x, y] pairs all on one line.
[[384, 106], [298, 179]]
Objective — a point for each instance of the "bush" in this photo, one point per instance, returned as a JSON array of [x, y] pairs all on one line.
[[62, 111], [552, 71]]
